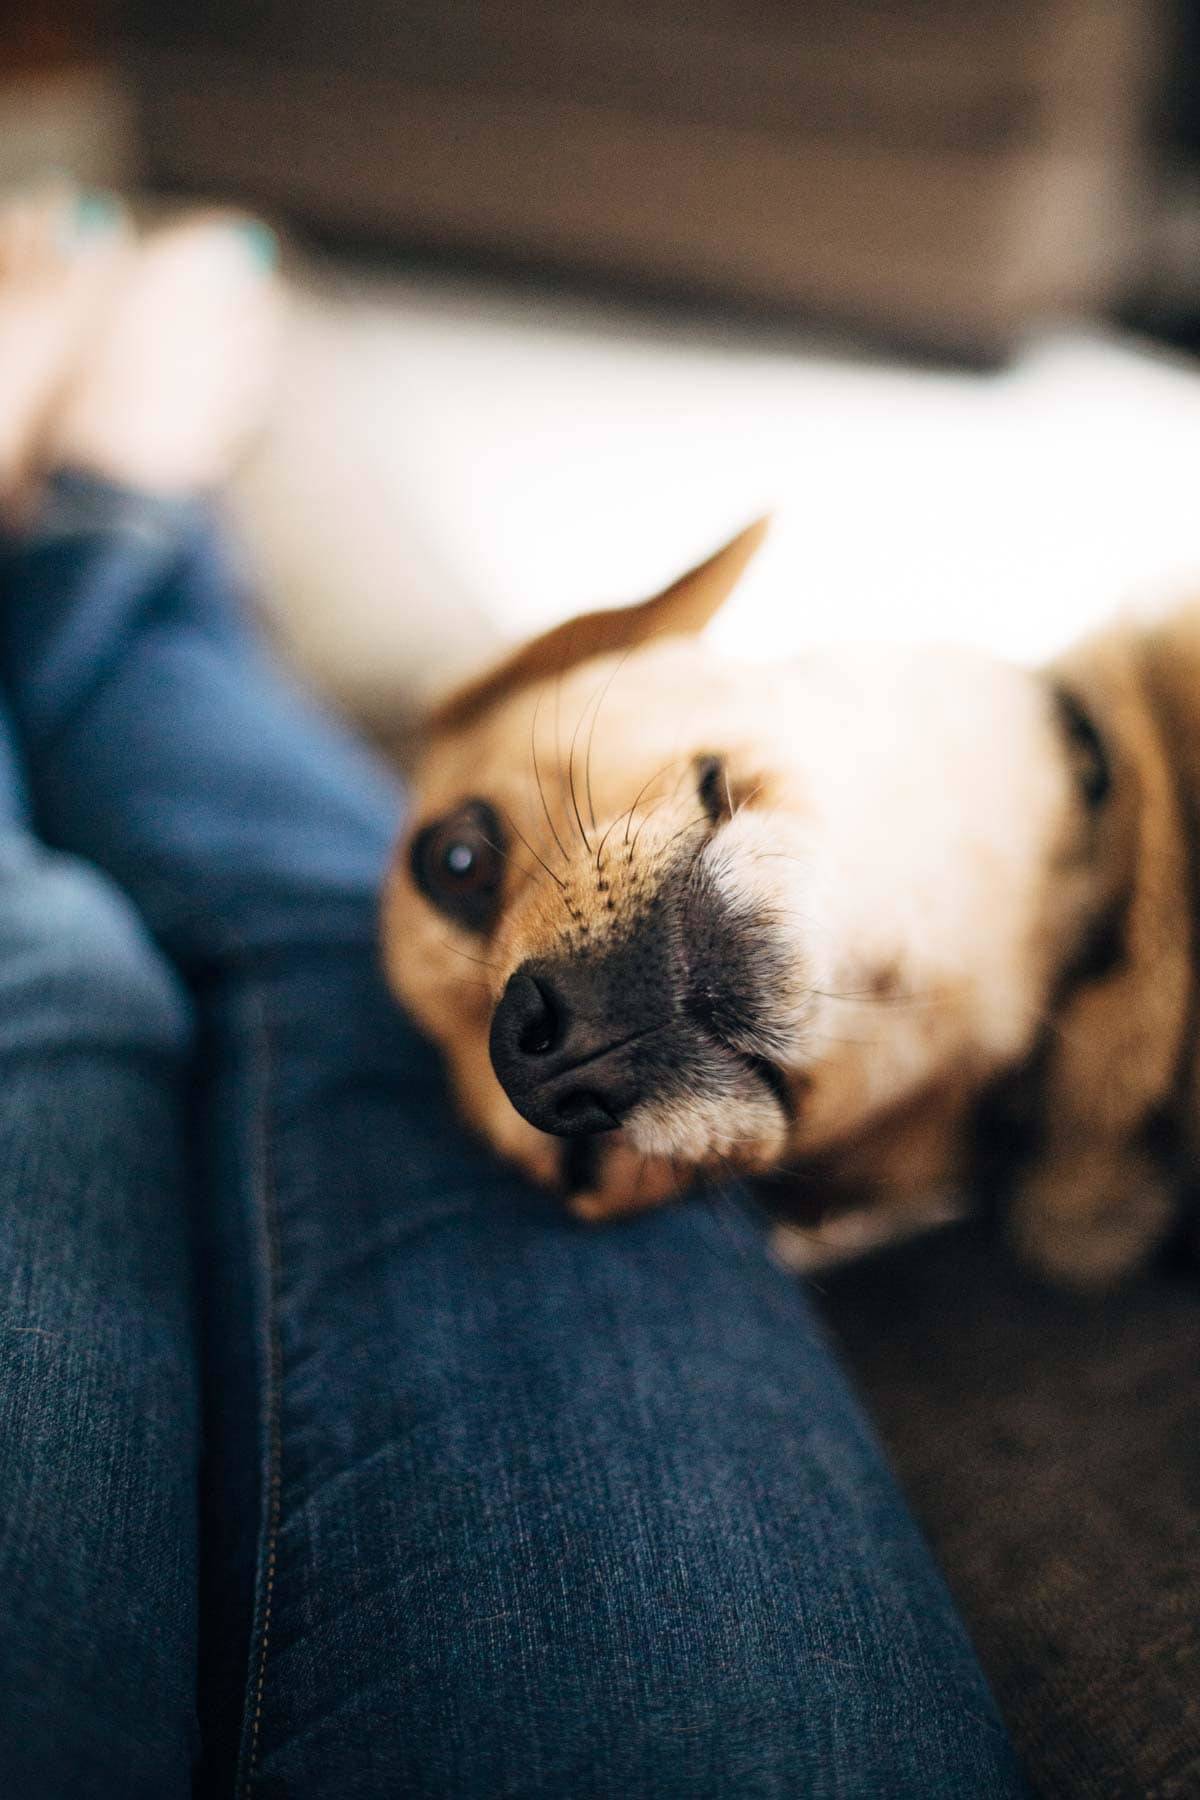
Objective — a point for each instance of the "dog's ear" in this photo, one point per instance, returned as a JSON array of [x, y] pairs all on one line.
[[680, 610]]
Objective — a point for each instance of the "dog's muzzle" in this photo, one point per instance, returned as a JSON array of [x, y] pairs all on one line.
[[672, 1009]]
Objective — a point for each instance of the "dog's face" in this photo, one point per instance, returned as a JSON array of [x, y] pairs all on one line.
[[665, 913]]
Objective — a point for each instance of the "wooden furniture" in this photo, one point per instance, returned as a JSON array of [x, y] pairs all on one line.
[[939, 170]]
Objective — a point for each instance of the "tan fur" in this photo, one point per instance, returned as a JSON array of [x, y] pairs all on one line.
[[910, 823], [1095, 1203]]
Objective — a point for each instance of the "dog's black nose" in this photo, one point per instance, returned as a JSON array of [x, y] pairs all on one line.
[[566, 1061]]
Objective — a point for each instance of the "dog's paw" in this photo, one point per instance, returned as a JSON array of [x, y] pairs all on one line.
[[861, 1230], [1088, 1219], [621, 1181]]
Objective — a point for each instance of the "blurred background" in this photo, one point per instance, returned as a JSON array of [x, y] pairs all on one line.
[[580, 287]]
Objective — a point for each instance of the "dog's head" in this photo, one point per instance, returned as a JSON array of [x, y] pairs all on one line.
[[733, 914]]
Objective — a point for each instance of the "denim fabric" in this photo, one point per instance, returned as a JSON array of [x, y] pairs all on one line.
[[99, 1426], [536, 1510]]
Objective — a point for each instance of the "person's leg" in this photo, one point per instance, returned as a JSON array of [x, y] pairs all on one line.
[[99, 1427], [542, 1510], [61, 253]]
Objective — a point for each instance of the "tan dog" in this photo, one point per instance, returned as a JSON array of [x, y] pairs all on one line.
[[668, 915]]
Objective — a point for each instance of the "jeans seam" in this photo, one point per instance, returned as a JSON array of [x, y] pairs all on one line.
[[263, 1186], [262, 1191]]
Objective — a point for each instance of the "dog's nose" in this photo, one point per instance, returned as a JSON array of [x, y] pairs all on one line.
[[566, 1062]]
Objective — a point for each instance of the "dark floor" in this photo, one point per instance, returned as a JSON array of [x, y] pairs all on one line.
[[1051, 1448]]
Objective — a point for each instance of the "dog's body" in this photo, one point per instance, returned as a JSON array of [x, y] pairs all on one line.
[[667, 914]]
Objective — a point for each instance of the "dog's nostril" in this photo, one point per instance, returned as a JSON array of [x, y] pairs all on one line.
[[540, 1030], [536, 1038]]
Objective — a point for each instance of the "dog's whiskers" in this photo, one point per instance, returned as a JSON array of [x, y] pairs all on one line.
[[566, 778], [502, 850], [600, 848], [627, 815], [745, 801], [587, 760], [587, 844], [537, 775], [869, 998], [482, 961], [701, 819], [540, 860], [642, 791], [657, 807], [833, 1037]]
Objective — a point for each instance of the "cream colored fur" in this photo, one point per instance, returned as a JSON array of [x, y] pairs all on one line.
[[912, 821]]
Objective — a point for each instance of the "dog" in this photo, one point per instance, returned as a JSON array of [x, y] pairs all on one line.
[[896, 921]]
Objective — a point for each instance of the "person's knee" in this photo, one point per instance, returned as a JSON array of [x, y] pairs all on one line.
[[673, 1715], [76, 966]]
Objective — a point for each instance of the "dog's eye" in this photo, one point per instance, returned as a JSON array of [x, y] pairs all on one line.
[[458, 864], [1085, 748], [712, 788]]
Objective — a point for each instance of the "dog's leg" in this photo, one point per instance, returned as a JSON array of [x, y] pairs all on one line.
[[1088, 1214], [861, 1232], [628, 1182]]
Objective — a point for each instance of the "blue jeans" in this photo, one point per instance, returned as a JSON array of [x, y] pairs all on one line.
[[315, 1423]]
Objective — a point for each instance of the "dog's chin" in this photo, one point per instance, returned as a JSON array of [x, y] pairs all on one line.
[[742, 1124], [664, 1148]]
